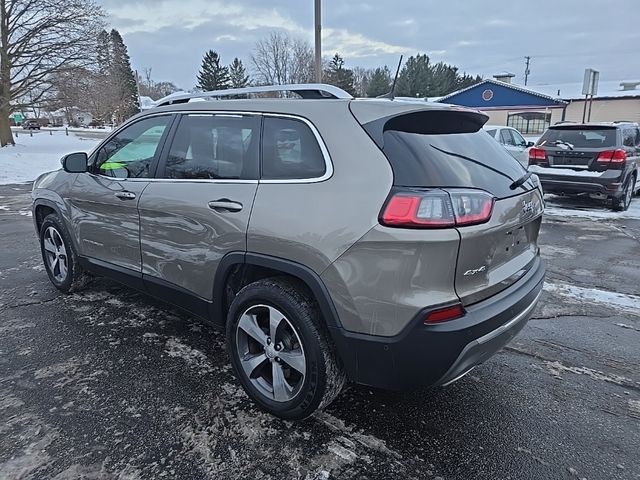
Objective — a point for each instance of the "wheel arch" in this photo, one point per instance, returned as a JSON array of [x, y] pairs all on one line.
[[238, 269]]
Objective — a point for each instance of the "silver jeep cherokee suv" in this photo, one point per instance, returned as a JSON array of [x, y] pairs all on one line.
[[391, 244]]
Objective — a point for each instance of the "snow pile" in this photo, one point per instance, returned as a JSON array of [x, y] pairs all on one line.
[[579, 207], [33, 156]]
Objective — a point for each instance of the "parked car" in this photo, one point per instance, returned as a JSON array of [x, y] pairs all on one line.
[[404, 256], [31, 125], [512, 140], [593, 158]]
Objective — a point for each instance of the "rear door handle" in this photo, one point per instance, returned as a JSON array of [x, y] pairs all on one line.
[[125, 195], [225, 204]]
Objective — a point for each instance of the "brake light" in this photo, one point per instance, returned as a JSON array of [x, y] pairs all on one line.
[[537, 155], [437, 208], [613, 156], [444, 314]]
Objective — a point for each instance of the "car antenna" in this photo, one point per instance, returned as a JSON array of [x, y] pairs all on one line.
[[391, 95]]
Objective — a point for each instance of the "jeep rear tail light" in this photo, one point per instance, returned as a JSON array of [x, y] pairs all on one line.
[[444, 314], [612, 156], [537, 155], [437, 208]]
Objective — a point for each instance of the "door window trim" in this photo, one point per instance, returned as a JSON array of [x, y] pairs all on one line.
[[167, 144], [156, 158]]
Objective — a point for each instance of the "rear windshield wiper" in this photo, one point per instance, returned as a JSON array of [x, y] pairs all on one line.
[[519, 182], [464, 157]]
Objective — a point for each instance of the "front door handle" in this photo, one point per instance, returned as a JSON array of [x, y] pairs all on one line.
[[125, 195], [225, 204]]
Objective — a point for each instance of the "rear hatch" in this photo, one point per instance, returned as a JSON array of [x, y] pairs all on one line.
[[443, 160], [577, 147]]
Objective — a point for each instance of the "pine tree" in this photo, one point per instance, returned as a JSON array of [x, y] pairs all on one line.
[[380, 82], [212, 75], [415, 79], [123, 79], [238, 77], [339, 76]]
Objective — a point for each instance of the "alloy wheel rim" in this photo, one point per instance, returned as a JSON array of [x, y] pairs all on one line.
[[55, 254], [270, 352]]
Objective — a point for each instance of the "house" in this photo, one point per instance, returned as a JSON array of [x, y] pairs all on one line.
[[532, 109], [506, 103]]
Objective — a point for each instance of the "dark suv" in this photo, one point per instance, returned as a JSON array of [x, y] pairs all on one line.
[[596, 158], [31, 125]]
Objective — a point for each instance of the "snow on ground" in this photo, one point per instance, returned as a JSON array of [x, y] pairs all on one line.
[[584, 207], [37, 154], [619, 301]]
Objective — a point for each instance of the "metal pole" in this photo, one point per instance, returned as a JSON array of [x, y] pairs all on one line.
[[590, 105], [318, 34], [584, 109], [526, 70]]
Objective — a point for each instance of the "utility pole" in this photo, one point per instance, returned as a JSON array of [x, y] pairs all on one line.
[[318, 32], [526, 69]]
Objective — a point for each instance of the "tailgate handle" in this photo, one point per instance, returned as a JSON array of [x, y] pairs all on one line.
[[125, 195], [225, 204]]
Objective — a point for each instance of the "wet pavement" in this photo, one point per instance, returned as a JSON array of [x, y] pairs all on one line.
[[110, 384]]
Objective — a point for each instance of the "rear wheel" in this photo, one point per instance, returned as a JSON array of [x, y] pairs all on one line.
[[279, 350], [59, 256], [621, 204]]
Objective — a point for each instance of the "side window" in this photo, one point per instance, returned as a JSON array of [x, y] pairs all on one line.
[[290, 150], [628, 137], [518, 139], [505, 137], [130, 153], [210, 146], [492, 132]]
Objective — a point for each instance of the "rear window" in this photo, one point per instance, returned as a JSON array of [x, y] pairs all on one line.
[[468, 160], [579, 137]]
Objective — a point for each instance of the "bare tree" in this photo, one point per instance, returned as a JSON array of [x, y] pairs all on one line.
[[280, 59], [39, 38], [151, 88]]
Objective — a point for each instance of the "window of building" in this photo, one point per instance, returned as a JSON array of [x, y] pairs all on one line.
[[290, 150], [529, 122], [208, 146]]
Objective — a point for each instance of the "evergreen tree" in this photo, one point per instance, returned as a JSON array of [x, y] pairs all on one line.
[[339, 76], [380, 82], [415, 77], [212, 75], [103, 52], [238, 77], [123, 79]]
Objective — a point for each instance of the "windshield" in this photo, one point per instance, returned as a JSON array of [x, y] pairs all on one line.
[[579, 137], [469, 160]]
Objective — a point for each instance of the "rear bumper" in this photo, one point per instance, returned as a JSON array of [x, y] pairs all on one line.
[[440, 354], [607, 183]]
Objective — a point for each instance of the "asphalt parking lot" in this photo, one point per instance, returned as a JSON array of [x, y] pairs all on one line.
[[110, 384]]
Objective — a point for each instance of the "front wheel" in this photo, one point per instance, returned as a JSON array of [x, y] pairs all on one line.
[[280, 351], [59, 256]]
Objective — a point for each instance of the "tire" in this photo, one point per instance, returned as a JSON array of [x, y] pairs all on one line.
[[59, 256], [622, 204], [300, 336]]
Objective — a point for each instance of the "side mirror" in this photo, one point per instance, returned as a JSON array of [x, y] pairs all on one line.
[[75, 162], [530, 144]]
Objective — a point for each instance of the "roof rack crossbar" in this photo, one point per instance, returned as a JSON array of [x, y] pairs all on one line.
[[304, 90]]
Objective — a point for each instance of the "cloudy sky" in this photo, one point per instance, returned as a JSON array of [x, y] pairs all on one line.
[[563, 37]]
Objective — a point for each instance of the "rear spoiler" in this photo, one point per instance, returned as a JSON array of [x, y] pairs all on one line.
[[427, 122]]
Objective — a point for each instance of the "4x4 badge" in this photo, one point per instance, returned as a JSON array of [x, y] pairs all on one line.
[[468, 273]]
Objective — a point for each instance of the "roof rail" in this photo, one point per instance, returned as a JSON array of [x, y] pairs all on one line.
[[305, 90]]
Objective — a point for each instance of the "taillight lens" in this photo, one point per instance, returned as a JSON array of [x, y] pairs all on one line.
[[537, 155], [437, 208], [444, 314], [612, 156]]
